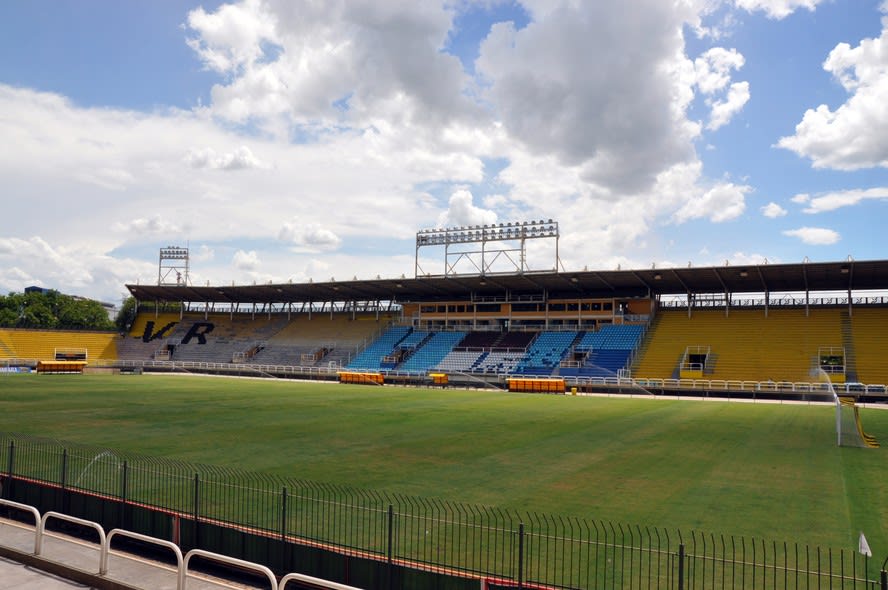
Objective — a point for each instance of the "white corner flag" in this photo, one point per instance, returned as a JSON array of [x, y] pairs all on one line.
[[863, 547]]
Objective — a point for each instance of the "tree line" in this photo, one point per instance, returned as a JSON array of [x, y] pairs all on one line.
[[50, 309]]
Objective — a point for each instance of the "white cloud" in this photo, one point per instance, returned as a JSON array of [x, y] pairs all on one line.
[[317, 268], [356, 127], [233, 36], [600, 231], [815, 236], [245, 260], [203, 254], [712, 69], [78, 270], [338, 62], [744, 259], [240, 159], [722, 202], [773, 210], [312, 235], [155, 225], [777, 9], [724, 110], [848, 198], [113, 179], [493, 201], [49, 143], [594, 138], [801, 198], [622, 121], [712, 75], [462, 211], [855, 135]]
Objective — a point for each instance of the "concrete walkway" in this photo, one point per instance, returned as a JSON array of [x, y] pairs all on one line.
[[23, 577], [65, 563]]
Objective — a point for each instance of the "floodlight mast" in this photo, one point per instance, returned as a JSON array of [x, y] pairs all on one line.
[[172, 267], [483, 260]]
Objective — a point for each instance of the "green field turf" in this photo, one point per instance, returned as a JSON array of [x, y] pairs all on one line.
[[762, 470]]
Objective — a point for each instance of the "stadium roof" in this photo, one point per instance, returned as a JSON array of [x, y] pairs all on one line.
[[808, 276]]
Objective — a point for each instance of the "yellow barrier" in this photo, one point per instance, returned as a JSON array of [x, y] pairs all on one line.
[[361, 378], [439, 378], [536, 385], [60, 366]]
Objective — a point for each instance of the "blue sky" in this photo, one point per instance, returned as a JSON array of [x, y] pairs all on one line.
[[286, 140]]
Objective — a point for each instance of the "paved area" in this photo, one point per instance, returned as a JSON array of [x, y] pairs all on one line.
[[17, 576], [68, 559]]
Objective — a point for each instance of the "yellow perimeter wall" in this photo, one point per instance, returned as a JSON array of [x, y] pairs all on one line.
[[745, 344], [42, 344]]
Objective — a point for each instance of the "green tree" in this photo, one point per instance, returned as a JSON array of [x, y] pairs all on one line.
[[36, 313], [8, 318], [9, 310], [51, 309], [82, 314], [127, 315]]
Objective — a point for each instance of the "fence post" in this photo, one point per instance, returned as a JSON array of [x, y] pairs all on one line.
[[64, 477], [389, 551], [520, 555], [391, 521], [65, 505], [681, 561], [10, 465], [124, 476], [284, 513], [196, 508], [285, 553], [884, 580]]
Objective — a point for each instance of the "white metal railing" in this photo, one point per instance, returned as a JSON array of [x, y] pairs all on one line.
[[313, 581], [656, 383], [41, 527], [181, 562], [787, 300], [31, 510], [730, 385], [106, 549], [249, 565]]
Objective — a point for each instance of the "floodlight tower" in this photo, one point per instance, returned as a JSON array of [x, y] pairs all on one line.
[[172, 268], [499, 243]]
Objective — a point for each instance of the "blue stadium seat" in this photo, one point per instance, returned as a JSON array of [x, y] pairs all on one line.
[[431, 352], [371, 358]]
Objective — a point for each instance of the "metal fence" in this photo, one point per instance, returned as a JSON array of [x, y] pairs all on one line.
[[505, 548]]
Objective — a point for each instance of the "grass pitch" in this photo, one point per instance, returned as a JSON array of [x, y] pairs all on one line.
[[755, 470]]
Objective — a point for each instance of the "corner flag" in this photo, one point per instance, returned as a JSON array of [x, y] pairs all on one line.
[[863, 547]]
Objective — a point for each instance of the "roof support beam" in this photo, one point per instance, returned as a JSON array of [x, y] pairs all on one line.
[[598, 276], [805, 277], [642, 281], [725, 287]]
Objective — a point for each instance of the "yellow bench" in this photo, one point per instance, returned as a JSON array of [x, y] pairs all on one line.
[[361, 378]]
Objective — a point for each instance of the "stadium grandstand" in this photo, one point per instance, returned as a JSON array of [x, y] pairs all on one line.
[[711, 330], [808, 331], [717, 329]]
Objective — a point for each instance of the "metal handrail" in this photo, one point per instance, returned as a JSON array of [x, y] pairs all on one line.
[[180, 562], [314, 581], [230, 561], [30, 509], [38, 544]]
